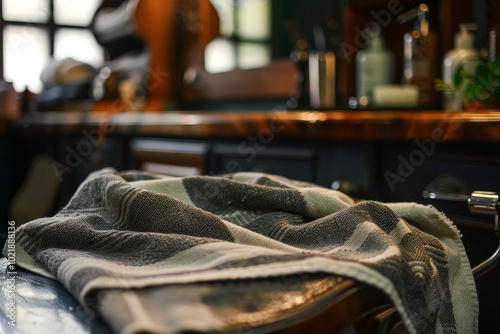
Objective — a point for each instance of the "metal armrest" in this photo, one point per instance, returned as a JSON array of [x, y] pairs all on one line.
[[479, 202]]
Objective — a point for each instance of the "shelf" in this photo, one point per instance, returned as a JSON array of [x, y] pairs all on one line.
[[364, 5], [445, 17], [477, 126]]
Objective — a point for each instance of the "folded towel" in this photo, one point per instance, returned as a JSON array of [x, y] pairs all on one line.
[[135, 230]]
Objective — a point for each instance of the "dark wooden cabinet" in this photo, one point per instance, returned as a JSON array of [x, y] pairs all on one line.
[[170, 157], [289, 161]]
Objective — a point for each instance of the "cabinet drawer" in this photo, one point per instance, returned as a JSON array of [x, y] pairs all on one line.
[[294, 163], [174, 158]]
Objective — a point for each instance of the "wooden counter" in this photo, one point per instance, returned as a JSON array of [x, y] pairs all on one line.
[[330, 125]]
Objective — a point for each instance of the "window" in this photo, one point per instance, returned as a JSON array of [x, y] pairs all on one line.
[[245, 27], [36, 31], [257, 31]]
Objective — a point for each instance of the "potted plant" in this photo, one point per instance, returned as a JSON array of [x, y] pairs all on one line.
[[478, 90]]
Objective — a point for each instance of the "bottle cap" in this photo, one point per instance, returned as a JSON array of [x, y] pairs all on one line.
[[464, 39], [421, 14], [377, 42]]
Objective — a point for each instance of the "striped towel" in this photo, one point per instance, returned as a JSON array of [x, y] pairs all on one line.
[[135, 230]]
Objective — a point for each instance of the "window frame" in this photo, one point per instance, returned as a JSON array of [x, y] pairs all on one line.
[[50, 26]]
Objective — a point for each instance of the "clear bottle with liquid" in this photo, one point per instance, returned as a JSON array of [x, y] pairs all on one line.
[[421, 59]]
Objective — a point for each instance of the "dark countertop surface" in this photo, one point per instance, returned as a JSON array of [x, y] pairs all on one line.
[[476, 126]]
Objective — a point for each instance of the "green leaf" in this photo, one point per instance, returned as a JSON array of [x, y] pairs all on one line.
[[482, 71], [440, 85], [457, 80], [495, 67]]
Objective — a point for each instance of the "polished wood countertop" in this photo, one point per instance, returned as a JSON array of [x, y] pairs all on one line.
[[312, 125]]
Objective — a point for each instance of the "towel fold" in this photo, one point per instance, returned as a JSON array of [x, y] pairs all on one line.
[[132, 232]]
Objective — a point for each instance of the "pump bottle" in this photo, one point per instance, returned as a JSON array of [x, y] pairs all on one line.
[[374, 66], [463, 52]]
